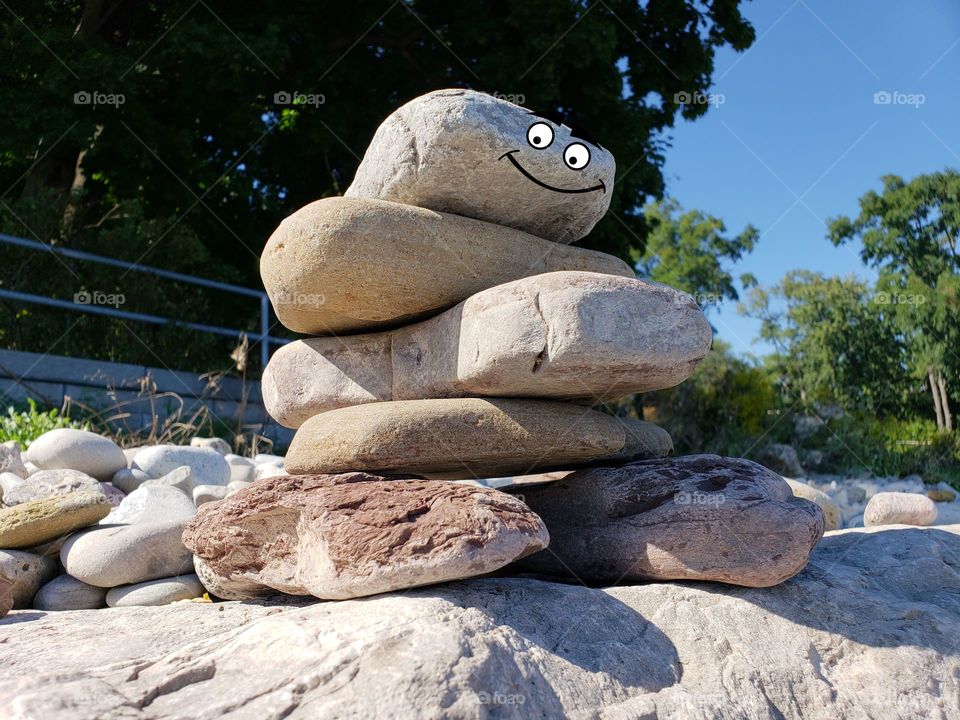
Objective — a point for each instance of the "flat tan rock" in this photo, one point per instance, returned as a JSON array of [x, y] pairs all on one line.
[[699, 517], [352, 264], [41, 521], [351, 535], [468, 438], [563, 335]]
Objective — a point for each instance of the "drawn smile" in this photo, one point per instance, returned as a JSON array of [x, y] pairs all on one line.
[[509, 155]]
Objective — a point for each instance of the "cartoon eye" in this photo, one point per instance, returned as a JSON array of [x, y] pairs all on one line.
[[576, 156], [540, 135]]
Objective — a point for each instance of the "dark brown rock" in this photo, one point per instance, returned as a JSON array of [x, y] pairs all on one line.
[[700, 517], [355, 534]]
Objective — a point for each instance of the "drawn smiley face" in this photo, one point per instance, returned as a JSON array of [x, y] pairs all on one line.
[[576, 156]]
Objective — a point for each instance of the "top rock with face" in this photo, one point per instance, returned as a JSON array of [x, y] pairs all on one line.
[[468, 153]]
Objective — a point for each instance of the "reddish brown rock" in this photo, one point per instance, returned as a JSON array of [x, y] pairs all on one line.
[[700, 517], [350, 535]]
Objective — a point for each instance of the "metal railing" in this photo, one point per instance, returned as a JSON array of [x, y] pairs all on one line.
[[263, 337]]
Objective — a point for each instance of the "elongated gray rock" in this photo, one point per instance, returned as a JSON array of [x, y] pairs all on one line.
[[207, 466], [469, 153], [350, 535], [468, 438], [112, 555], [11, 460], [27, 571], [152, 503], [46, 483], [699, 517], [867, 630], [80, 450], [50, 519], [353, 264], [564, 335], [156, 592], [68, 593]]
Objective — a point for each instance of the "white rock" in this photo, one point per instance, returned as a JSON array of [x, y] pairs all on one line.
[[237, 485], [9, 482], [27, 572], [68, 593], [264, 458], [45, 483], [207, 465], [108, 556], [831, 511], [241, 468], [156, 592], [476, 155], [268, 470], [128, 479], [152, 504], [860, 634], [209, 493], [11, 460], [214, 443], [180, 478], [131, 453], [87, 452], [30, 468], [896, 508]]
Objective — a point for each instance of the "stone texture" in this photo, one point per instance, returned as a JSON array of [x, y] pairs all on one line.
[[867, 630], [214, 443], [46, 483], [114, 555], [896, 508], [241, 468], [209, 493], [128, 480], [156, 592], [207, 466], [11, 460], [6, 596], [41, 521], [781, 459], [831, 511], [342, 536], [699, 517], [229, 588], [446, 151], [467, 437], [9, 482], [180, 479], [563, 335], [27, 572], [68, 593], [150, 504], [113, 494], [353, 264], [81, 450]]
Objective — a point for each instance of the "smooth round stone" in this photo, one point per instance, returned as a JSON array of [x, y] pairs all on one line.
[[207, 466], [237, 485], [180, 478], [81, 450], [130, 453], [114, 494], [241, 468], [129, 479], [109, 556], [6, 596], [9, 482], [47, 483], [267, 459], [896, 508], [831, 511], [268, 470], [68, 593], [209, 493], [27, 572], [214, 443], [41, 521], [151, 504], [11, 460], [156, 592]]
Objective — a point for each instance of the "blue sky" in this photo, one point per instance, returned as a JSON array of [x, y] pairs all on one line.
[[795, 136]]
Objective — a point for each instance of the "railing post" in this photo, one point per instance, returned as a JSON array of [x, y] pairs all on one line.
[[264, 331]]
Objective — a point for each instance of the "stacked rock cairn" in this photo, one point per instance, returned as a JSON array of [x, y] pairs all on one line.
[[459, 345]]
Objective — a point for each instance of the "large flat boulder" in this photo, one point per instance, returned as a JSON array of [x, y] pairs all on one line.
[[563, 335], [698, 517], [868, 630], [354, 264], [476, 155], [49, 519], [468, 438], [350, 535]]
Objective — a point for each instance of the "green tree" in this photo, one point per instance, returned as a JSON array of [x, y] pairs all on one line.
[[909, 232], [689, 250]]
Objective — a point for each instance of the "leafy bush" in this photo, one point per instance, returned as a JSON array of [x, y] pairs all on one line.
[[26, 425]]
